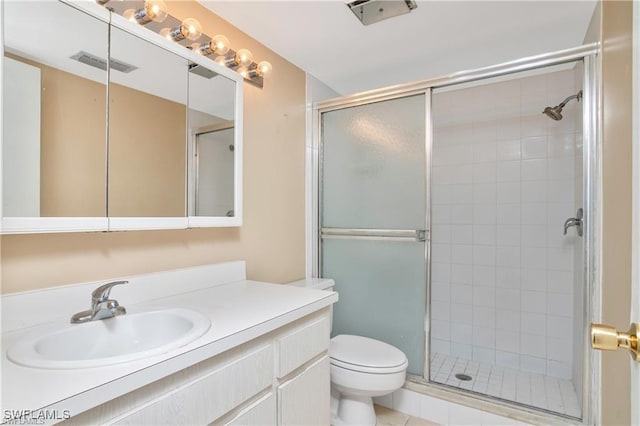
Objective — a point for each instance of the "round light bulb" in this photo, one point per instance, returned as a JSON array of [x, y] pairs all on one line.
[[264, 68], [244, 57], [129, 14], [221, 44], [165, 32], [191, 29], [243, 71], [156, 10]]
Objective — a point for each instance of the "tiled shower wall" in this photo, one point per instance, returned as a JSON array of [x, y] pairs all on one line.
[[503, 183]]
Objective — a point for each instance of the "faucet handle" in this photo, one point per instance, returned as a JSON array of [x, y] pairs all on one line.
[[101, 293]]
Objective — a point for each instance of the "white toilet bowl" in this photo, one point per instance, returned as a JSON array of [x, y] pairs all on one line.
[[362, 368]]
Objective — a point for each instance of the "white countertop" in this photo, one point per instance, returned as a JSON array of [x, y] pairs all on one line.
[[239, 311]]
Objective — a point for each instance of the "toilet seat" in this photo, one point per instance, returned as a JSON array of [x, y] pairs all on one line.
[[366, 355]]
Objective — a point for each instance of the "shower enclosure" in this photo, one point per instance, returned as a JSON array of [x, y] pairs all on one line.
[[449, 216]]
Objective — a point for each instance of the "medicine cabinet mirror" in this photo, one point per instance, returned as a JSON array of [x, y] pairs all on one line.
[[154, 142], [54, 142]]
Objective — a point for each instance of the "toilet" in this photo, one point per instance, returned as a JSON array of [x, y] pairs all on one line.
[[361, 368]]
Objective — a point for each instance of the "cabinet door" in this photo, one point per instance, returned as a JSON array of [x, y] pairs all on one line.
[[302, 344], [304, 400], [262, 412]]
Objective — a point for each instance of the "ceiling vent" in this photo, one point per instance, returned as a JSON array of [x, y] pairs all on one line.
[[97, 62], [372, 11]]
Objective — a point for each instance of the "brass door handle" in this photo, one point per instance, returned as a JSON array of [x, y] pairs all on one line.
[[608, 338]]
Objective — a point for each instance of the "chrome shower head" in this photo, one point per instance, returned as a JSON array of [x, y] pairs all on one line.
[[555, 113]]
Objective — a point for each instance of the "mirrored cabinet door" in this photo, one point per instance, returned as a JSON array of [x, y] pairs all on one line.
[[214, 149], [116, 129], [147, 130], [54, 117], [212, 143], [213, 189]]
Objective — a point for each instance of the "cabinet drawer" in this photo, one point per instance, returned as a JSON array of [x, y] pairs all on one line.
[[302, 344], [262, 412], [212, 395], [304, 400]]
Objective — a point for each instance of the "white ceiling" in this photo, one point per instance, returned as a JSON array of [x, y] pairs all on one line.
[[324, 38]]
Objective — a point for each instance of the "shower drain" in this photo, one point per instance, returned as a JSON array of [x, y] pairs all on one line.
[[463, 377]]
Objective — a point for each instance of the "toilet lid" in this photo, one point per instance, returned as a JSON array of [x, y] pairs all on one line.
[[364, 354]]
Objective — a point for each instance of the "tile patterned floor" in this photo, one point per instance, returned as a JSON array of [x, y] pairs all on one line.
[[388, 417], [537, 390]]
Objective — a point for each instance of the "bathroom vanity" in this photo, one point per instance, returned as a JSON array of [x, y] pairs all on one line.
[[263, 359]]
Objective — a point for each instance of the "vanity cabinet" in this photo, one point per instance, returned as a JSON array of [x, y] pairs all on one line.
[[278, 378], [304, 399]]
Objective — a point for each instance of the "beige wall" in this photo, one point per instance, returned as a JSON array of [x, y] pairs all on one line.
[[73, 144], [272, 237], [616, 238], [147, 154], [73, 157]]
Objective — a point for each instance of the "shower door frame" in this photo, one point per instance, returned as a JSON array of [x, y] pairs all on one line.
[[589, 55]]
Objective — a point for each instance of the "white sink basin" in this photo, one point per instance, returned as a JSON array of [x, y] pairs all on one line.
[[105, 342]]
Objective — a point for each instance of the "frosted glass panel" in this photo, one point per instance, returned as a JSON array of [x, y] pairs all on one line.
[[374, 165], [382, 292]]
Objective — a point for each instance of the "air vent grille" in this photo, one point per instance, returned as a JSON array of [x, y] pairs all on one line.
[[100, 63], [202, 71], [372, 11]]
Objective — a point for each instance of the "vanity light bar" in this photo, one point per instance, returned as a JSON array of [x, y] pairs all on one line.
[[152, 14]]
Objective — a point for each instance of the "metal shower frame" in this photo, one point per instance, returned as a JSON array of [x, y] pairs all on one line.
[[589, 55]]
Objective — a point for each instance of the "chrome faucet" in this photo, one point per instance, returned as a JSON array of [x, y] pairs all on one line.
[[101, 306]]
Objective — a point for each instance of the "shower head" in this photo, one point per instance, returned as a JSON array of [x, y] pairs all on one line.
[[555, 113]]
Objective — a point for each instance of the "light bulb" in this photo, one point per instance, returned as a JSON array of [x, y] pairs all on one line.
[[219, 45], [153, 10], [129, 14], [222, 60], [264, 68], [189, 28], [243, 57], [165, 33], [156, 10], [243, 71]]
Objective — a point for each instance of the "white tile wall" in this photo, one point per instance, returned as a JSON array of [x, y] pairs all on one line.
[[504, 181]]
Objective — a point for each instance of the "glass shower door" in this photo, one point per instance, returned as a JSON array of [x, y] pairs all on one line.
[[373, 221]]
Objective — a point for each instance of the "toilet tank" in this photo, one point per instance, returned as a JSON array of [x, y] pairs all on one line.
[[317, 284]]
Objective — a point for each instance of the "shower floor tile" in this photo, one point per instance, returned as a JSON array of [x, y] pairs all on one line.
[[537, 390]]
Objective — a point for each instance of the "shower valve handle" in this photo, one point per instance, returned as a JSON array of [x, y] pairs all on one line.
[[575, 221]]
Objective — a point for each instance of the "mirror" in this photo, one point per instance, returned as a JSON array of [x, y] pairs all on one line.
[[212, 143], [147, 129], [54, 115], [155, 143]]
